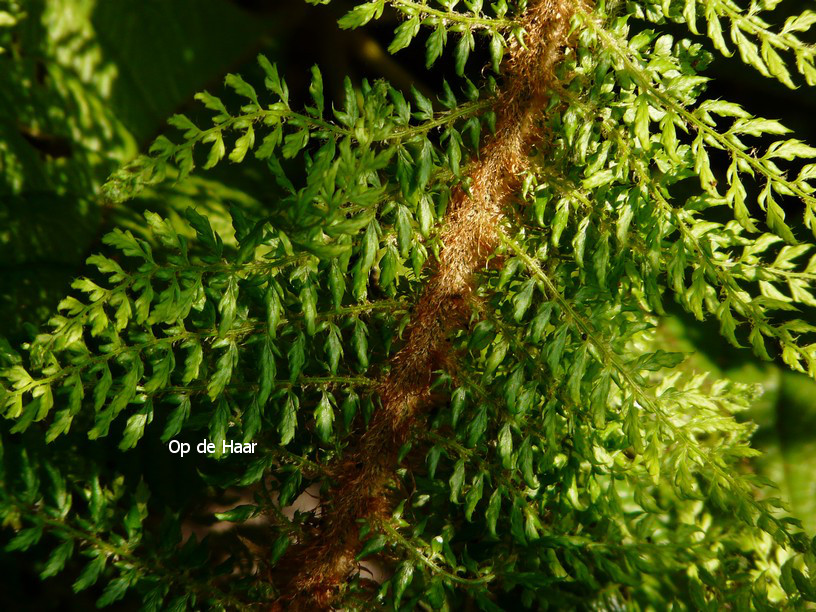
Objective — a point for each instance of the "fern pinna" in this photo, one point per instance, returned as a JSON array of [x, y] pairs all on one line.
[[447, 330]]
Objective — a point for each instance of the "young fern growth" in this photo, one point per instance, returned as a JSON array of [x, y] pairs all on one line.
[[759, 44], [447, 328]]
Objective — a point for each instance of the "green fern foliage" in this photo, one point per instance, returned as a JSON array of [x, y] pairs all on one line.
[[559, 453]]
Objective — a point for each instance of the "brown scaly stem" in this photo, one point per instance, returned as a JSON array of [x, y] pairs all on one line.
[[364, 475]]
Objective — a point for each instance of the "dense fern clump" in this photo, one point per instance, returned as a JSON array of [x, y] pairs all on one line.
[[446, 330]]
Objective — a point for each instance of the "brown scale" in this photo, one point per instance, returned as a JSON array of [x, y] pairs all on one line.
[[365, 475]]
